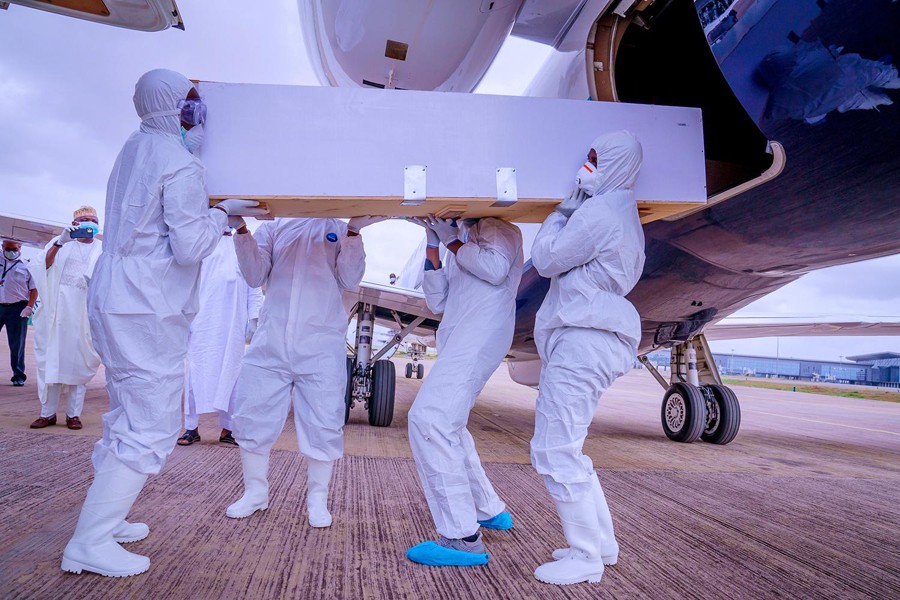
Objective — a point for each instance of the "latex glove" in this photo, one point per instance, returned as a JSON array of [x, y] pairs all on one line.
[[446, 229], [27, 312], [431, 236], [247, 208], [357, 223], [252, 324], [572, 203], [66, 235], [236, 222]]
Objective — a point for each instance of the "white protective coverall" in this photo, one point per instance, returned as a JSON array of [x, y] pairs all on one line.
[[586, 332], [63, 349], [299, 351], [476, 292], [143, 295], [216, 345]]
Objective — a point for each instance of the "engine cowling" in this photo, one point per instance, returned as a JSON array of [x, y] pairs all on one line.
[[525, 372], [446, 45]]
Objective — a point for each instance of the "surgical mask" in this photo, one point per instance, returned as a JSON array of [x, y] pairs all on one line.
[[586, 178], [11, 254], [193, 139], [193, 111]]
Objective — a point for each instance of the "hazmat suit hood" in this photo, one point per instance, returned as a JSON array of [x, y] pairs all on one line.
[[619, 158], [156, 96]]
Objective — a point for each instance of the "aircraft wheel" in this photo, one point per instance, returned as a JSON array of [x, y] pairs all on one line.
[[348, 394], [683, 413], [381, 404], [724, 420], [409, 370], [420, 371]]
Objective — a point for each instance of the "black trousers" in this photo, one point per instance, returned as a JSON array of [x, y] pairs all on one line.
[[16, 330]]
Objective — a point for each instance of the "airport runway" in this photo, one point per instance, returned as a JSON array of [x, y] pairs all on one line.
[[805, 503]]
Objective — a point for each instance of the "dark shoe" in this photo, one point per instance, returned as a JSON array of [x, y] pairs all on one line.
[[190, 436], [18, 382], [227, 438], [73, 422], [42, 422]]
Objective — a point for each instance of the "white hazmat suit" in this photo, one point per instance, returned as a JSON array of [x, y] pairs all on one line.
[[216, 345], [475, 290], [587, 335], [298, 353], [141, 301]]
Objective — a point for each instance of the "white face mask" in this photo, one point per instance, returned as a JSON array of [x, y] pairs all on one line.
[[586, 178], [193, 139]]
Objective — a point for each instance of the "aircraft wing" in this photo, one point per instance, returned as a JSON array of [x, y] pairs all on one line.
[[394, 308], [28, 231], [738, 331], [141, 15]]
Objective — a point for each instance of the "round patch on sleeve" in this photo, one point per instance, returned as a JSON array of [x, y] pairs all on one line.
[[331, 237]]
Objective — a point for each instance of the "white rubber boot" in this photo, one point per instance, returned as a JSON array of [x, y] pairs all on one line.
[[609, 547], [583, 562], [92, 547], [127, 532], [256, 486], [317, 477]]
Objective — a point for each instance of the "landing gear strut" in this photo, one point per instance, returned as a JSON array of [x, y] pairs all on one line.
[[696, 404], [371, 379]]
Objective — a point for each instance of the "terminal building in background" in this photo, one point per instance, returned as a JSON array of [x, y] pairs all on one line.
[[879, 369]]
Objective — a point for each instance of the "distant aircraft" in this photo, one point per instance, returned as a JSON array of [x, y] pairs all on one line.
[[802, 148]]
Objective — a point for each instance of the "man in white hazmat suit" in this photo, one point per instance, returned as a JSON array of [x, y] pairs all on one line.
[[298, 353], [587, 335], [475, 290], [141, 300], [229, 313], [63, 349]]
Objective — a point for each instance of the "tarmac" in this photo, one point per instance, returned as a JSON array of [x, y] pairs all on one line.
[[802, 504]]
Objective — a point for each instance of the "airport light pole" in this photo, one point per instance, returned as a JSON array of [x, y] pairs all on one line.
[[777, 352]]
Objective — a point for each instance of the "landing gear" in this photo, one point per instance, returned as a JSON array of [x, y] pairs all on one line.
[[696, 405], [683, 413], [381, 404], [416, 353], [370, 379], [723, 414]]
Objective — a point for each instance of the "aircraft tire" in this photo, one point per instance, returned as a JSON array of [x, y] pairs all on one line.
[[381, 404], [420, 371], [683, 413], [729, 421], [348, 394], [409, 370]]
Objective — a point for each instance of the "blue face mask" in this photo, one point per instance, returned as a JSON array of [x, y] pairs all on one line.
[[11, 254], [183, 133]]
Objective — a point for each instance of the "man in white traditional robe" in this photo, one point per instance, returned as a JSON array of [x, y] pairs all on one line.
[[229, 313], [63, 349]]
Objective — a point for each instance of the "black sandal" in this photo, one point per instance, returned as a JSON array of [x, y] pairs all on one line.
[[190, 436], [228, 438]]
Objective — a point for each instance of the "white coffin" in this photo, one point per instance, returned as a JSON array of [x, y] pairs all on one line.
[[322, 151]]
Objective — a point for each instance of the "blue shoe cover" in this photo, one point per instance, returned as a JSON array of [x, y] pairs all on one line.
[[502, 521], [430, 553]]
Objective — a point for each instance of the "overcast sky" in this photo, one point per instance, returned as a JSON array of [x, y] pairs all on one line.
[[65, 110]]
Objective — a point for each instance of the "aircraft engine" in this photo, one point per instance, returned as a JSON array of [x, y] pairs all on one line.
[[444, 45]]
